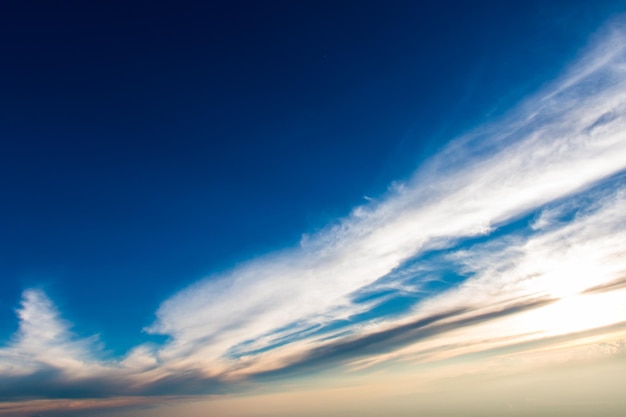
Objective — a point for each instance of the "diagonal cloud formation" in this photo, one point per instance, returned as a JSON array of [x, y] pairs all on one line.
[[555, 144], [554, 162]]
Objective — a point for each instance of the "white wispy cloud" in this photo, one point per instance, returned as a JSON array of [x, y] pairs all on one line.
[[555, 144], [44, 340], [560, 264]]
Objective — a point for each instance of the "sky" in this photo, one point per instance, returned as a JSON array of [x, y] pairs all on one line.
[[274, 208]]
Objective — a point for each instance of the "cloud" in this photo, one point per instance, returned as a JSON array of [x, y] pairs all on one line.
[[555, 145], [402, 335], [609, 286], [529, 213], [44, 340], [45, 359]]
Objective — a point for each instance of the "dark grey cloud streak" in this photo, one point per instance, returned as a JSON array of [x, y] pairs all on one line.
[[400, 336]]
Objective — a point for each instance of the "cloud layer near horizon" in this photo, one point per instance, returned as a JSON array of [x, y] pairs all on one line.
[[514, 232]]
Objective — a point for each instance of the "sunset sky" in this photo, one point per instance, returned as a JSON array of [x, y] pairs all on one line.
[[289, 208]]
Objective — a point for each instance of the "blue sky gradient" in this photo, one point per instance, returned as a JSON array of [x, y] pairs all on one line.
[[231, 207]]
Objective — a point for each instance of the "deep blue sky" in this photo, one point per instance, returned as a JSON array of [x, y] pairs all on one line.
[[145, 146]]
